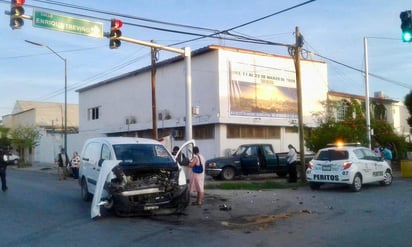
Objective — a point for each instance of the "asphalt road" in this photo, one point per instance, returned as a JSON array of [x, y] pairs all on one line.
[[39, 210]]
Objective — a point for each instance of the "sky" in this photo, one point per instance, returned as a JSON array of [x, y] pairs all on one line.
[[334, 32]]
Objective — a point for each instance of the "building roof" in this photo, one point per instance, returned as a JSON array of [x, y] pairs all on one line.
[[380, 98], [22, 105], [175, 59], [41, 114]]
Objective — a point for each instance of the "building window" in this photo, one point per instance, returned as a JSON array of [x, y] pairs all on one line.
[[247, 131], [380, 112], [94, 113], [342, 110], [204, 132]]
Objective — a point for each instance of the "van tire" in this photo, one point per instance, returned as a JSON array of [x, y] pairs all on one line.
[[85, 194]]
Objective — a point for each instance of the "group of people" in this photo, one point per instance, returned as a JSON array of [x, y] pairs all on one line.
[[384, 152], [64, 164]]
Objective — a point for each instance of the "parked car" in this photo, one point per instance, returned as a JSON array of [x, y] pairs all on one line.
[[250, 159], [351, 165], [12, 159], [132, 176]]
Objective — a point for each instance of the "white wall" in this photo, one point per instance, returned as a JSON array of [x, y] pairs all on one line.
[[131, 96]]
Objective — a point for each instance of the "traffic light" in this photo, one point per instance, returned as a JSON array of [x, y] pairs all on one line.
[[115, 33], [16, 14], [406, 25]]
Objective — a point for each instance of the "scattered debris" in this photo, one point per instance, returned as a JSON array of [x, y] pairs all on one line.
[[225, 207], [260, 221]]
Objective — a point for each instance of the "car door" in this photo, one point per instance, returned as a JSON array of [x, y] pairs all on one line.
[[182, 158], [363, 164], [89, 164], [376, 164], [270, 158], [249, 160]]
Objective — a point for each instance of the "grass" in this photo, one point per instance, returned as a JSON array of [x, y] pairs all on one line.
[[242, 185]]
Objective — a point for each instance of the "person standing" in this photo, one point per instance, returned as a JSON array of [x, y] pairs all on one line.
[[62, 161], [292, 160], [197, 179], [387, 154], [75, 164], [3, 167]]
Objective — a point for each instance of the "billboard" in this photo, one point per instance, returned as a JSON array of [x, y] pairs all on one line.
[[259, 91]]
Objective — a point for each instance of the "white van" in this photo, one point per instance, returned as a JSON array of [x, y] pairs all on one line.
[[132, 176]]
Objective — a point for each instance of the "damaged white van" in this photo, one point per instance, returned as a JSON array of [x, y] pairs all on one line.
[[132, 176]]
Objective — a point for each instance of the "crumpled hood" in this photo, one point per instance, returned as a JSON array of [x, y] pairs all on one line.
[[105, 171], [130, 180]]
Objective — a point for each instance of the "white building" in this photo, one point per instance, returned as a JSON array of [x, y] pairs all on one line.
[[48, 118], [238, 96]]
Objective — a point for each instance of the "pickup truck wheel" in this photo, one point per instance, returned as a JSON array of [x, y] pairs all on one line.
[[228, 173], [282, 174], [86, 196]]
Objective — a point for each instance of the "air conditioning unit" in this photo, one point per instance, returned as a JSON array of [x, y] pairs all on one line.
[[164, 115], [131, 120]]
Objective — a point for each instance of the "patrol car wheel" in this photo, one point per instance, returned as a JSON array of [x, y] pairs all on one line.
[[356, 183], [86, 196], [314, 186], [387, 178]]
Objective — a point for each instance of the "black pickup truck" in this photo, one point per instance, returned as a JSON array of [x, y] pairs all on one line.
[[250, 159]]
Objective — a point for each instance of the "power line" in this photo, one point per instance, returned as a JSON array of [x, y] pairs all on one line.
[[217, 34], [363, 72], [77, 7], [248, 23]]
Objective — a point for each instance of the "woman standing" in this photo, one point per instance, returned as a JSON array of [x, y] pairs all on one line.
[[75, 162], [197, 178]]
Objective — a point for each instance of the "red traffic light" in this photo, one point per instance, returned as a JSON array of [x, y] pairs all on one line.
[[115, 23], [18, 2], [115, 33], [16, 14]]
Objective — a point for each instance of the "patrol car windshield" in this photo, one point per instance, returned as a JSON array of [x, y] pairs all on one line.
[[143, 154], [332, 154]]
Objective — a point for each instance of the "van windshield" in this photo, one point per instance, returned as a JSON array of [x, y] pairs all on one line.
[[145, 154]]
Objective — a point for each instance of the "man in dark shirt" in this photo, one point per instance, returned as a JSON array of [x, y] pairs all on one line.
[[62, 161], [3, 166]]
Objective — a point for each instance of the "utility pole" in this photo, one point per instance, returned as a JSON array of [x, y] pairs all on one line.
[[296, 57], [154, 108], [367, 110], [186, 53]]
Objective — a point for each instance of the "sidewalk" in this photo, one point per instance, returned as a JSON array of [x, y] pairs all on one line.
[[52, 168], [41, 167]]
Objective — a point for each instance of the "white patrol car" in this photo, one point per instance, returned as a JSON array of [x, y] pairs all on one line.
[[352, 165]]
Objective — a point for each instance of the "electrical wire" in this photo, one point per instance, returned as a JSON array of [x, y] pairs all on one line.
[[77, 7], [215, 34], [363, 72]]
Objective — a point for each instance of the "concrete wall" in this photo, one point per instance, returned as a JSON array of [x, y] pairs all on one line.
[[211, 76]]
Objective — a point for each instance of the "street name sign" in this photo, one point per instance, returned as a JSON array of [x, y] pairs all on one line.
[[67, 24]]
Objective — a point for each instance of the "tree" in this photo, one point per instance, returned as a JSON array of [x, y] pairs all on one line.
[[408, 104], [351, 129], [25, 137]]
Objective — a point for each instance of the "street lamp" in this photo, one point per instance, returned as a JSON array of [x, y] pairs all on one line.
[[65, 88]]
